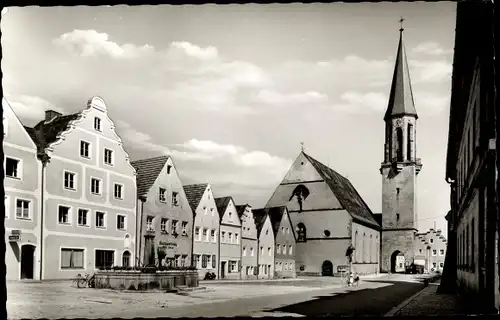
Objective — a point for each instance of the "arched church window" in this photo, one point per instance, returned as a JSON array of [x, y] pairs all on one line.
[[300, 193], [356, 244], [399, 143], [363, 250], [409, 151], [372, 249], [301, 232]]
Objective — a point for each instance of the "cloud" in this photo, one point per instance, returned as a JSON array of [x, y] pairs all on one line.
[[431, 104], [30, 107], [431, 71], [431, 48], [90, 43], [280, 99], [358, 102], [195, 51], [137, 139]]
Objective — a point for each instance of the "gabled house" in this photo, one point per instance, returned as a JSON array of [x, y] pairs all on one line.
[[229, 239], [206, 228], [249, 242], [328, 216], [22, 185], [164, 216], [284, 238], [89, 193], [266, 244]]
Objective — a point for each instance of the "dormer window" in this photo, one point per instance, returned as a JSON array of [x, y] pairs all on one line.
[[97, 124]]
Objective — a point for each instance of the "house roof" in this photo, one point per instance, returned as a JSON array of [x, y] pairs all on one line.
[[194, 193], [222, 204], [47, 132], [276, 216], [147, 172], [401, 96], [259, 216], [32, 133], [345, 192], [241, 209]]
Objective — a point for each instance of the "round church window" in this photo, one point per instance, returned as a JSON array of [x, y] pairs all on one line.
[[327, 233]]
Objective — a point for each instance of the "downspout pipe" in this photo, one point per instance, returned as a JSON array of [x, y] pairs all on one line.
[[138, 232], [44, 158]]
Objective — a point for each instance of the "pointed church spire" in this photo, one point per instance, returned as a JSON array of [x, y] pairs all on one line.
[[401, 96]]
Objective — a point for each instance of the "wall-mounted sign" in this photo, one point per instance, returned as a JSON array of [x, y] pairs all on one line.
[[342, 268], [166, 244], [15, 232], [15, 238]]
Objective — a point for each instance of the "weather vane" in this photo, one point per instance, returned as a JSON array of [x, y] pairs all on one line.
[[401, 22]]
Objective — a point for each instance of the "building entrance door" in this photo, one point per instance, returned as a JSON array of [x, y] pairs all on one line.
[[27, 261], [327, 268], [222, 269]]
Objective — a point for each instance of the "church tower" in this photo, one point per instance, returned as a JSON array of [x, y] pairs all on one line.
[[399, 170]]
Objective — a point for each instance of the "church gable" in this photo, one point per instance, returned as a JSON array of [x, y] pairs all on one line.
[[301, 170]]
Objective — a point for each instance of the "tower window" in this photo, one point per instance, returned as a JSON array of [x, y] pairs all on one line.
[[409, 150], [397, 217], [397, 191], [399, 145]]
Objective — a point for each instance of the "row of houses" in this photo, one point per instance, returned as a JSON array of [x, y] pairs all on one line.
[[74, 202]]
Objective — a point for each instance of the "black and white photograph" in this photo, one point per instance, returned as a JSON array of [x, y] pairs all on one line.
[[250, 159]]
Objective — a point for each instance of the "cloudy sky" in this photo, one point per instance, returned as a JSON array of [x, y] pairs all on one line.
[[231, 91]]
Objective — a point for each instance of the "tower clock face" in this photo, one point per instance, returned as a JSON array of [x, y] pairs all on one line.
[[399, 123]]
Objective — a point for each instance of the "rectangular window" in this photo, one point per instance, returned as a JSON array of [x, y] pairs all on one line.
[[205, 235], [251, 252], [283, 230], [69, 180], [214, 261], [434, 252], [212, 235], [12, 167], [278, 249], [467, 246], [196, 261], [97, 124], [149, 223], [441, 264], [72, 258], [168, 169], [23, 209], [184, 260], [197, 233], [100, 219], [204, 261], [233, 266], [261, 251], [230, 236], [118, 191], [223, 237], [104, 258], [164, 225], [237, 238], [441, 252], [108, 157], [269, 251], [7, 207], [184, 228], [95, 186], [174, 226], [120, 222], [212, 211], [244, 251], [175, 200], [162, 195], [83, 215], [84, 149], [63, 215], [290, 249]]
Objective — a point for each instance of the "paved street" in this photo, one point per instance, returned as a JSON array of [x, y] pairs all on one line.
[[305, 296]]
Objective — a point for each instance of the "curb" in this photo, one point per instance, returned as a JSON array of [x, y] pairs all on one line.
[[398, 308]]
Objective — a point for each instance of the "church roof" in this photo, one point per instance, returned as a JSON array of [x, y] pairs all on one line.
[[345, 192], [401, 96], [148, 171]]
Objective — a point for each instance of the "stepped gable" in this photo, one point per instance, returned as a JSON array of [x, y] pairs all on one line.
[[147, 172], [194, 193], [345, 192]]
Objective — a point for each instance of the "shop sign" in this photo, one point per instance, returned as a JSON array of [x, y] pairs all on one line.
[[15, 236]]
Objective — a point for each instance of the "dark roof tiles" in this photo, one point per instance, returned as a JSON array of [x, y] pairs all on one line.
[[222, 204], [345, 192], [194, 193], [147, 172], [259, 216], [46, 133]]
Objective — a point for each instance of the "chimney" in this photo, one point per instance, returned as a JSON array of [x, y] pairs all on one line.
[[51, 114]]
